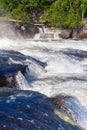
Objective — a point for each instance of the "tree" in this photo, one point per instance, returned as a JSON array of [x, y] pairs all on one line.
[[66, 13], [24, 10], [59, 13]]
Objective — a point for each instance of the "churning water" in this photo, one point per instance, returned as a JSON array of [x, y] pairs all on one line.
[[65, 72]]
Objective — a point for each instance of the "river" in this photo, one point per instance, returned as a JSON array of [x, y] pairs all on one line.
[[65, 72]]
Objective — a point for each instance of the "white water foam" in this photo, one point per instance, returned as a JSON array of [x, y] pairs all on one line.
[[21, 82], [62, 74]]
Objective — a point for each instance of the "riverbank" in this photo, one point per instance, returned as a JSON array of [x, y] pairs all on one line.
[[13, 29]]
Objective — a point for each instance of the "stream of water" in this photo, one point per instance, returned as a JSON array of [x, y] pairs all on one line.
[[65, 73]]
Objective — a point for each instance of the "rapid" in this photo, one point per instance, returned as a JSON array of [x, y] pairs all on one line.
[[65, 71]]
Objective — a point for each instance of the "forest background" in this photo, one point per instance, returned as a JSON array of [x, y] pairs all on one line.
[[57, 13]]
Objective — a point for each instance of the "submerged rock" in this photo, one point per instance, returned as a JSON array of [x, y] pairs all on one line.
[[75, 54]]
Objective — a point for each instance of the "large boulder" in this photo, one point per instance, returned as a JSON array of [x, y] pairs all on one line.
[[28, 110]]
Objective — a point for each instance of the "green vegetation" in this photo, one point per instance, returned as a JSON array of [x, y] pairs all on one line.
[[59, 13]]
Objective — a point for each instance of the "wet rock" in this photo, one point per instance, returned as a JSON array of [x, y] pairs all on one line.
[[75, 54], [13, 62], [58, 100], [62, 109], [31, 111], [8, 73], [19, 57], [68, 108]]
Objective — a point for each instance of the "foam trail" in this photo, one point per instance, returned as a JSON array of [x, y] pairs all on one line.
[[21, 82]]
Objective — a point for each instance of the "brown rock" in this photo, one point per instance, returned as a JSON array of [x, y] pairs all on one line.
[[28, 30], [66, 33], [59, 99], [75, 34], [83, 34]]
